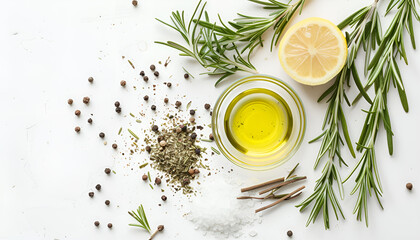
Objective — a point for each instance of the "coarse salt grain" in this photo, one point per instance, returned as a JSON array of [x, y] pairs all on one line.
[[217, 211]]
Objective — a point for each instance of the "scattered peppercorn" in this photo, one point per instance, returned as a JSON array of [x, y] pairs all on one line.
[[123, 83], [101, 135], [114, 146], [107, 202], [107, 170], [134, 2], [160, 228], [163, 198], [158, 181], [169, 84], [91, 194], [156, 74], [155, 128], [178, 104], [192, 119], [196, 171], [77, 129], [289, 233], [86, 100], [90, 120], [153, 107], [211, 136], [96, 223], [152, 67], [142, 73], [193, 136], [144, 177], [409, 186], [117, 104], [98, 187], [186, 76], [166, 100], [183, 128], [207, 106], [186, 181], [109, 225], [77, 112], [118, 109], [146, 98], [145, 78], [148, 149], [90, 79], [70, 101], [197, 151], [191, 171], [192, 111]]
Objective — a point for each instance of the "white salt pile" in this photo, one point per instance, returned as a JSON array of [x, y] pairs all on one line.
[[217, 211]]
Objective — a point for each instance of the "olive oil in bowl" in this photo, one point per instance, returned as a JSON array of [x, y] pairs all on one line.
[[258, 122]]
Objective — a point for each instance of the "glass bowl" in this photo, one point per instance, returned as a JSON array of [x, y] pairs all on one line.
[[274, 157]]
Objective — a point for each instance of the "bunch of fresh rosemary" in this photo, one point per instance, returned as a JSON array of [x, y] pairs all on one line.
[[366, 31], [384, 71], [220, 48]]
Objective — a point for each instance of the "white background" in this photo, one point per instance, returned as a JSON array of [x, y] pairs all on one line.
[[49, 48]]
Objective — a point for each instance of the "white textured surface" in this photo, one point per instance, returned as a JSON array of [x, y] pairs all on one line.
[[50, 47]]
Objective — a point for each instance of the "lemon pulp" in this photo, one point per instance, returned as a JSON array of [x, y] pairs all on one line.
[[258, 121]]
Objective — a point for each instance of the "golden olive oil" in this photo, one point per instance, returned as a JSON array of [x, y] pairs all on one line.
[[258, 121]]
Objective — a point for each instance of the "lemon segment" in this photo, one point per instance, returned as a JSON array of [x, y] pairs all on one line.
[[313, 51]]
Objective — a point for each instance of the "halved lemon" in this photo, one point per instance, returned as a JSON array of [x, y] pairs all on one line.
[[313, 51]]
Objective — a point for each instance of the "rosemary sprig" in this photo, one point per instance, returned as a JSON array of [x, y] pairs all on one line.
[[141, 218], [203, 45], [384, 70], [366, 31], [250, 29]]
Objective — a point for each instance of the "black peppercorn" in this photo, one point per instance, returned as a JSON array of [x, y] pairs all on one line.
[[90, 79], [193, 136], [156, 74], [123, 83], [145, 78], [91, 194], [107, 170], [163, 198], [77, 112], [196, 171], [289, 233], [160, 228], [207, 106], [192, 111], [134, 2], [146, 98], [409, 186], [107, 202], [211, 136], [77, 129], [86, 100], [117, 104], [144, 177], [101, 135], [169, 84], [118, 109], [114, 146], [109, 225], [186, 76], [70, 101], [166, 100], [158, 181], [148, 149], [183, 128], [155, 128], [96, 223], [90, 120], [186, 181], [197, 151], [153, 107], [152, 67], [142, 73], [178, 104], [98, 187]]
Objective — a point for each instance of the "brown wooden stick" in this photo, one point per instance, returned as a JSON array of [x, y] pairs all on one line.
[[262, 184], [280, 200], [282, 184], [268, 197]]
